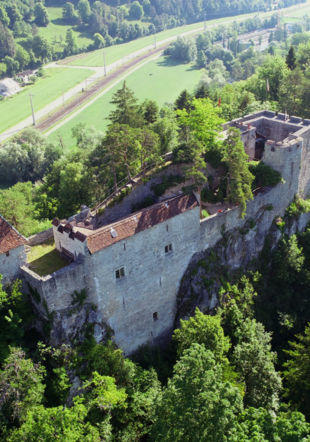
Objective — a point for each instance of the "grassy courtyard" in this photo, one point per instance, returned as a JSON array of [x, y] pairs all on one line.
[[44, 259]]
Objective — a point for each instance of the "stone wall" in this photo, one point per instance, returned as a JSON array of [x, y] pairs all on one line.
[[56, 289], [10, 263], [40, 238], [73, 245], [140, 307], [137, 196], [304, 180]]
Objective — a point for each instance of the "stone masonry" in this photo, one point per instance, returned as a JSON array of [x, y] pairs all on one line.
[[132, 268]]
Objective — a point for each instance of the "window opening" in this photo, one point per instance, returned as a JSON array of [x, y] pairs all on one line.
[[120, 273], [155, 316], [168, 248]]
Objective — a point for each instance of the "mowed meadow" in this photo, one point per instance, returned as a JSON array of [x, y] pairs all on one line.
[[157, 80], [46, 89]]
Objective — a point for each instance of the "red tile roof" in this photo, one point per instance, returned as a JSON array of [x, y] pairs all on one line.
[[137, 222], [9, 237]]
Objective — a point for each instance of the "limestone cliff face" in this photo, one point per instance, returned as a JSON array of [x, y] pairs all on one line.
[[236, 249]]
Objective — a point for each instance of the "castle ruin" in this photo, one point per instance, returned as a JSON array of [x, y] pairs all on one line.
[[131, 268]]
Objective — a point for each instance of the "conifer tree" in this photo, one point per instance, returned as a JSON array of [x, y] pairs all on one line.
[[291, 58], [239, 177], [127, 109]]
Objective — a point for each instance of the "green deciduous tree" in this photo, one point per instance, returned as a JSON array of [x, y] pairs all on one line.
[[136, 11], [62, 423], [17, 206], [84, 10], [21, 387], [40, 15], [69, 13], [15, 316], [202, 329], [70, 43], [197, 403], [297, 372], [253, 359], [7, 45]]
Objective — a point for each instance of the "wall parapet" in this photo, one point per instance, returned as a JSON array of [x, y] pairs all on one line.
[[40, 238], [56, 289]]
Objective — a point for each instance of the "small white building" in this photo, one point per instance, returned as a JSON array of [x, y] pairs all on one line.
[[9, 87]]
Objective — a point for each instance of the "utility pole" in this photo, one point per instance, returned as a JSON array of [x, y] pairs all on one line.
[[204, 26], [32, 110], [155, 41], [104, 64]]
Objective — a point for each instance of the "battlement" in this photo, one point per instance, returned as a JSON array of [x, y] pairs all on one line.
[[266, 126]]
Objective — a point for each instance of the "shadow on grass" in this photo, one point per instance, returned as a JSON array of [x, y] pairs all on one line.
[[48, 263], [60, 22], [169, 62]]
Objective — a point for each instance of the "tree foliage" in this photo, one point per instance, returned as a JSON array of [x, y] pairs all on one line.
[[239, 177]]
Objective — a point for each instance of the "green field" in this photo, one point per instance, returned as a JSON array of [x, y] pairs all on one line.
[[56, 30], [156, 80], [114, 53], [46, 89]]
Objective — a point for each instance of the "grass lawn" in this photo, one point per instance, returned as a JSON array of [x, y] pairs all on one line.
[[56, 30], [157, 80], [114, 53], [45, 259], [46, 89]]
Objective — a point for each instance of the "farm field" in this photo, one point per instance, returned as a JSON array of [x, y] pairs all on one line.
[[46, 89], [156, 80], [55, 32], [114, 53]]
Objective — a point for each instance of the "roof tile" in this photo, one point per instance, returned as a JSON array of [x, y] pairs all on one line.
[[137, 222], [9, 237]]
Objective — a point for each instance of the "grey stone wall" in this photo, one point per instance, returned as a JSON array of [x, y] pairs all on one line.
[[10, 264], [304, 180], [141, 306], [151, 281], [74, 246], [40, 238], [137, 196], [56, 289]]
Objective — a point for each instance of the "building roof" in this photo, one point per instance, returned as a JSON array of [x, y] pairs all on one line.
[[9, 237], [139, 221]]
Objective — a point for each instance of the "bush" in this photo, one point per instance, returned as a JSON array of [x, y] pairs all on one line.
[[204, 214], [297, 207], [265, 176], [167, 181]]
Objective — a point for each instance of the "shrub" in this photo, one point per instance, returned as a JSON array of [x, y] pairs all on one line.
[[265, 176], [297, 207], [204, 214], [167, 181]]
